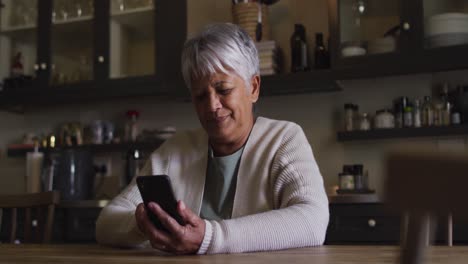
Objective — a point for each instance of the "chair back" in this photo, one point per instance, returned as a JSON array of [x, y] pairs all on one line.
[[39, 209], [421, 185]]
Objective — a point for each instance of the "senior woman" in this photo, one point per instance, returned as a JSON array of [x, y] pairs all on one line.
[[245, 183]]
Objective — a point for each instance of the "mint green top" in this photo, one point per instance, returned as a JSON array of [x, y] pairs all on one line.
[[220, 186]]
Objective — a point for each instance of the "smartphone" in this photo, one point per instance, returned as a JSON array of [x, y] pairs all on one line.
[[158, 189]]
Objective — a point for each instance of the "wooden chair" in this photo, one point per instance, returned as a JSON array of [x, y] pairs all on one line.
[[422, 185], [45, 201]]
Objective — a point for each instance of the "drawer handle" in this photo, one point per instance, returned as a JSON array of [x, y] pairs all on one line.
[[372, 223]]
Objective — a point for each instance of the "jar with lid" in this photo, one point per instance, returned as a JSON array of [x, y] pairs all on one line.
[[364, 122], [347, 178], [131, 127], [350, 115], [384, 118]]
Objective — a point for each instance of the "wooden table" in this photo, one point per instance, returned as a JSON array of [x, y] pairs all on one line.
[[88, 254]]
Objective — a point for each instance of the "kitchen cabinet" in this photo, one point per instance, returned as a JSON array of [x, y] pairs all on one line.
[[362, 223], [430, 35], [18, 38], [376, 223], [76, 51], [89, 50]]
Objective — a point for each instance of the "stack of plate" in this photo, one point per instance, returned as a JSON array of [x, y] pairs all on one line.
[[447, 29], [246, 16], [381, 45], [353, 48]]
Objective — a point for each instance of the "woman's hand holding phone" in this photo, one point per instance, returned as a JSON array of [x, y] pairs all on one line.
[[181, 239]]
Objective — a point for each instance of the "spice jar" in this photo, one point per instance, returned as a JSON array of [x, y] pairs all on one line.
[[364, 122], [347, 178], [350, 113]]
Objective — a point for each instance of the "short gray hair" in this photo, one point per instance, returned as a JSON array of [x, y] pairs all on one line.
[[222, 47]]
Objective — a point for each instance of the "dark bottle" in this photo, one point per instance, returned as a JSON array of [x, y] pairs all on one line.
[[299, 58], [321, 53]]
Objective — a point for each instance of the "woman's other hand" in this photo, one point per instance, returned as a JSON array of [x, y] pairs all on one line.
[[180, 239]]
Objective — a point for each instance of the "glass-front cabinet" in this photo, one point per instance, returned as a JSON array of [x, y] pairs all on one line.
[[84, 48], [71, 41], [18, 41], [132, 38], [398, 36], [445, 23], [368, 27]]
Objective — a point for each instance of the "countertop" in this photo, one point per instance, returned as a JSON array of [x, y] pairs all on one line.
[[37, 253]]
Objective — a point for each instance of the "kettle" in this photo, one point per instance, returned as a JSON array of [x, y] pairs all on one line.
[[70, 171]]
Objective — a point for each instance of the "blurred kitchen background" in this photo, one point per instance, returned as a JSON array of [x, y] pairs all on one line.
[[61, 79]]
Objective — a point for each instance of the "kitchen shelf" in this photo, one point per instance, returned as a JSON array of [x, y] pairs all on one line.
[[18, 28], [72, 20], [102, 148], [394, 133], [317, 81], [134, 11]]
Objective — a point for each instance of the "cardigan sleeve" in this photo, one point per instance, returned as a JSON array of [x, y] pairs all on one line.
[[116, 224], [301, 215]]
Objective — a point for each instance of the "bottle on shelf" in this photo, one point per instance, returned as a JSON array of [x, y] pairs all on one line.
[[17, 69], [446, 105], [321, 54], [131, 127], [417, 114], [427, 118], [399, 108], [408, 115], [299, 53]]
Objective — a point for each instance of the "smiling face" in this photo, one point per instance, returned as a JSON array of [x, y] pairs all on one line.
[[224, 107]]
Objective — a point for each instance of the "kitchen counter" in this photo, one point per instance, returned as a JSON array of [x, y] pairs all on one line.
[[38, 253]]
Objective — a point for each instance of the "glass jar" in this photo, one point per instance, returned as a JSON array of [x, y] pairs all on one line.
[[384, 118], [350, 113], [346, 178], [364, 122]]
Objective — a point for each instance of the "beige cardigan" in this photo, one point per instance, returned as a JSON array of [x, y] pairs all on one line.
[[279, 203]]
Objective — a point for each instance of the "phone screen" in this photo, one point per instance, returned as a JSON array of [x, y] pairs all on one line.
[[158, 189]]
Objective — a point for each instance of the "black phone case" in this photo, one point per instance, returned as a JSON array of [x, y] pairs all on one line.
[[158, 189]]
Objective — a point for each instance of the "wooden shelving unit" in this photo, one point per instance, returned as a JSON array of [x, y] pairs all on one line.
[[394, 133]]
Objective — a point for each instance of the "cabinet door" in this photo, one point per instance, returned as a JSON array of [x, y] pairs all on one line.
[[445, 34], [18, 40], [71, 50], [369, 31], [132, 38]]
